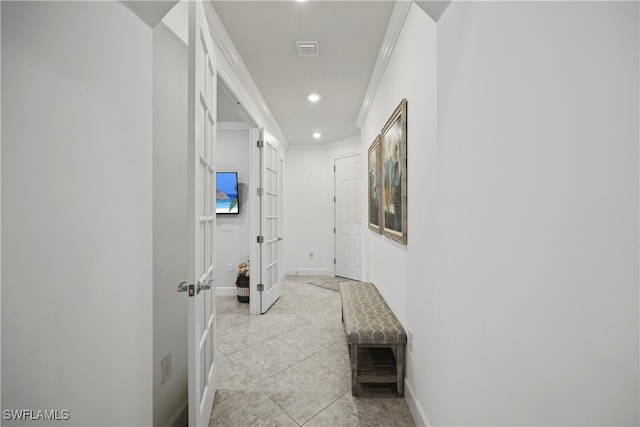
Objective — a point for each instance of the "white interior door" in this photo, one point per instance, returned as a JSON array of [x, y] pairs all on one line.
[[201, 187], [348, 217], [269, 286]]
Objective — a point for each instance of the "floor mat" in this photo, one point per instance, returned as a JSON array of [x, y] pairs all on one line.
[[328, 282]]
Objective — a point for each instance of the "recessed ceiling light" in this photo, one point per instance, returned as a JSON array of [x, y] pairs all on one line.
[[313, 97], [301, 1], [317, 135]]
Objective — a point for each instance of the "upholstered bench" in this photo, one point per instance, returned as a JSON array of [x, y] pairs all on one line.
[[372, 327]]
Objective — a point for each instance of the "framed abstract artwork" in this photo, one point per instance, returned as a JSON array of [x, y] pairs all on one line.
[[375, 186], [394, 175]]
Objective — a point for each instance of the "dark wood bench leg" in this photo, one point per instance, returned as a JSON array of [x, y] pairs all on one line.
[[400, 368], [355, 387]]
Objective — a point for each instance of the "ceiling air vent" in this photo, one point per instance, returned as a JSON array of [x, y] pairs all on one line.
[[307, 48]]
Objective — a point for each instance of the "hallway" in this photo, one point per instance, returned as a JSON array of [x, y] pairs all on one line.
[[290, 366]]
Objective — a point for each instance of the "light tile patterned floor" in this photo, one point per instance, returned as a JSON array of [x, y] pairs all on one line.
[[290, 366]]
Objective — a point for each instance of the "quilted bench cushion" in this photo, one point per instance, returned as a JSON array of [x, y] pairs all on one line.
[[367, 317]]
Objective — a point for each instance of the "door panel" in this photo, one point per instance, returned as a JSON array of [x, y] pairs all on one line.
[[201, 179], [269, 218], [348, 213]]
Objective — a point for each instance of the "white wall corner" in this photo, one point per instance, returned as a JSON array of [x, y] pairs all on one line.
[[396, 21], [180, 417], [419, 417]]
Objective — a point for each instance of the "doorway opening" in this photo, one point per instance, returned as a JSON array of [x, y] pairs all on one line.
[[233, 247]]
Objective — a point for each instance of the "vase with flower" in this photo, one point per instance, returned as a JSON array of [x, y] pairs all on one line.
[[242, 281]]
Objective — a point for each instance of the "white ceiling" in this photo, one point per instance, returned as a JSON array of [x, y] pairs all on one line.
[[349, 35], [264, 32]]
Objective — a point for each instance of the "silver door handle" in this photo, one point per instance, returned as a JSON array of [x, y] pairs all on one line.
[[182, 287], [279, 238], [204, 287]]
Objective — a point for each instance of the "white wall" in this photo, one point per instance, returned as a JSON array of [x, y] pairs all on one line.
[[538, 176], [0, 208], [520, 277], [309, 223], [343, 148], [77, 211], [405, 275], [170, 259], [232, 231], [308, 206]]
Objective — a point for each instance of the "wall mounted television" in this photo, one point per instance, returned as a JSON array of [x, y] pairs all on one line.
[[227, 201]]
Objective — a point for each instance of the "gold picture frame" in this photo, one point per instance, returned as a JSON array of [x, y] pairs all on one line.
[[394, 175], [375, 185]]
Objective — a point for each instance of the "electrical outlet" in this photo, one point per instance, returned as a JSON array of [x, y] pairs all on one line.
[[165, 367], [410, 339], [229, 267]]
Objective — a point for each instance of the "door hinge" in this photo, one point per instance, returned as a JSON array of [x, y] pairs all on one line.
[[334, 230], [334, 199], [334, 168], [260, 191], [334, 261], [260, 143], [260, 287], [260, 239]]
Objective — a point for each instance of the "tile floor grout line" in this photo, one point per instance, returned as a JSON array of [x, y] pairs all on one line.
[[337, 375], [283, 409], [295, 364], [276, 373], [238, 408], [323, 409]]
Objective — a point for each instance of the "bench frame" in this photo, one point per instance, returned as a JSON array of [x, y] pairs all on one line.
[[398, 378], [357, 378]]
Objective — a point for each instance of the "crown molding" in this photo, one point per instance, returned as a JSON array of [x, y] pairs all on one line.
[[237, 78], [396, 21]]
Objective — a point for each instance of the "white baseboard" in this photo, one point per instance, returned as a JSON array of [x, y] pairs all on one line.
[[180, 417], [419, 417], [309, 272], [226, 291]]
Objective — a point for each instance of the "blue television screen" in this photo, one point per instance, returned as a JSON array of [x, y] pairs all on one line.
[[227, 201]]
